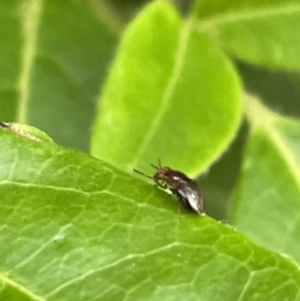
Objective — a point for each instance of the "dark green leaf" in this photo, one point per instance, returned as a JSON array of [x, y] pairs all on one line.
[[53, 57]]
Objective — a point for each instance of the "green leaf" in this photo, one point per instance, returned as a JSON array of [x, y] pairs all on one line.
[[53, 58], [75, 228], [268, 197], [263, 32], [172, 95]]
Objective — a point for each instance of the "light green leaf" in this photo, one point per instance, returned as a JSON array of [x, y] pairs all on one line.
[[268, 197], [171, 94], [263, 32], [53, 57], [75, 228]]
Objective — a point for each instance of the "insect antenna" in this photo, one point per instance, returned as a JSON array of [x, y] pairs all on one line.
[[143, 174], [159, 165]]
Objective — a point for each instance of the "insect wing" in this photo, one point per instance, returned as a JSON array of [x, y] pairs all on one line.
[[183, 188], [193, 198]]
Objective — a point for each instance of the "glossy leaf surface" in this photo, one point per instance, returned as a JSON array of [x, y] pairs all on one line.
[[75, 228]]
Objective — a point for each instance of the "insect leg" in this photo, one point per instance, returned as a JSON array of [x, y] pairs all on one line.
[[160, 184]]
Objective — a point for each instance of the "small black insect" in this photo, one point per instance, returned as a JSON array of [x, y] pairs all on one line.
[[186, 190]]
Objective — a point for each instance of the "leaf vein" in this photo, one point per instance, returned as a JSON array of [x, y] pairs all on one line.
[[8, 281], [30, 24], [234, 17], [81, 277], [40, 249], [167, 94], [55, 188]]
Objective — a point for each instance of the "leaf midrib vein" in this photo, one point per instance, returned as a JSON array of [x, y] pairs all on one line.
[[288, 156], [235, 17], [166, 96], [261, 117], [30, 25]]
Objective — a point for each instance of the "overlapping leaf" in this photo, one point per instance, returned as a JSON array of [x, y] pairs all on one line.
[[262, 32], [54, 55], [171, 94], [268, 198]]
